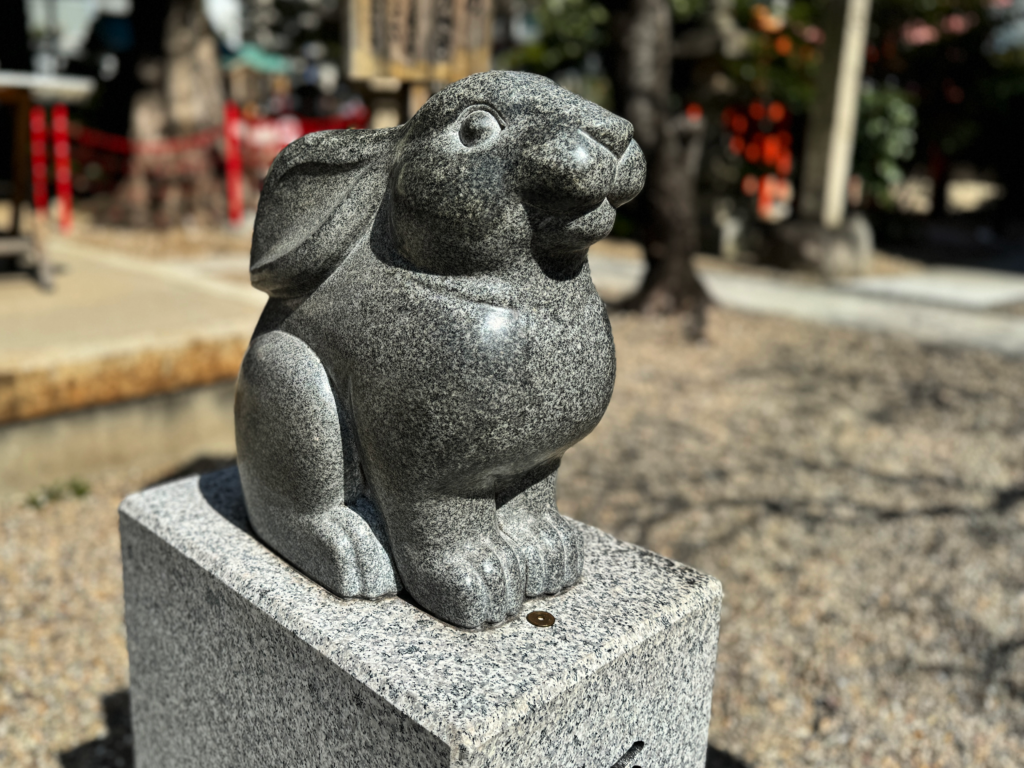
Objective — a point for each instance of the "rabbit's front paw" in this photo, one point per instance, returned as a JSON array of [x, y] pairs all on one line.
[[349, 556], [478, 581], [550, 547]]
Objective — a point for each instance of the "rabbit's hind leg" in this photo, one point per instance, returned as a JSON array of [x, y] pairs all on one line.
[[549, 546], [298, 468]]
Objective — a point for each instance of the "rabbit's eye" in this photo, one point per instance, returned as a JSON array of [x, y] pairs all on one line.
[[478, 127]]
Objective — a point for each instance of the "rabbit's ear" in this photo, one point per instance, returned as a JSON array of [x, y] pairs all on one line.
[[318, 201]]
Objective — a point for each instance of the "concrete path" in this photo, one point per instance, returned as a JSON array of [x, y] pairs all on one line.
[[938, 305], [966, 287], [838, 306], [105, 301], [109, 306], [126, 361]]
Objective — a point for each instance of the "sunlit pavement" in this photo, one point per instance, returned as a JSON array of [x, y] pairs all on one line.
[[955, 306]]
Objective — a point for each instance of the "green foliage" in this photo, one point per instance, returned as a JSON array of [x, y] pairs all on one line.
[[954, 96], [570, 36], [784, 65], [887, 137], [687, 10], [777, 66], [56, 491], [568, 30], [968, 92]]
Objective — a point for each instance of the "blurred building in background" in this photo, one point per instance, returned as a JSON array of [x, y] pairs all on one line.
[[157, 141], [398, 49]]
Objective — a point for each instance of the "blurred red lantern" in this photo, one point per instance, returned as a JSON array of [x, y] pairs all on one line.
[[784, 166], [752, 153], [772, 148], [783, 45]]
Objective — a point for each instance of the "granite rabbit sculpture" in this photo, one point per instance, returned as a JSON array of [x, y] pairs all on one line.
[[432, 345]]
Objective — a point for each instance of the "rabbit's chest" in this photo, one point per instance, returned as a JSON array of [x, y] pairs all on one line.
[[484, 351], [533, 379]]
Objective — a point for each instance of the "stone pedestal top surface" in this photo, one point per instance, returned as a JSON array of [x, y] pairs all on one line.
[[465, 686]]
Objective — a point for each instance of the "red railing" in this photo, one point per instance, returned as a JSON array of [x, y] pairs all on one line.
[[247, 147]]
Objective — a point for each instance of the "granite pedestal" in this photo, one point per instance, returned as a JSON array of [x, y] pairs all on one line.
[[237, 659]]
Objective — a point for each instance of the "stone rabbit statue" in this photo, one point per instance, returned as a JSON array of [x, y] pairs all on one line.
[[432, 345]]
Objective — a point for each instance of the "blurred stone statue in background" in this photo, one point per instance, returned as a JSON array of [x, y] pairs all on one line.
[[181, 96]]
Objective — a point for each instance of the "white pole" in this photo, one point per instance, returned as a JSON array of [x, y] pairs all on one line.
[[842, 140]]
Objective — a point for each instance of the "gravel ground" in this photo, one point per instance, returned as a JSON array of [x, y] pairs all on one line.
[[62, 643], [860, 497], [862, 500]]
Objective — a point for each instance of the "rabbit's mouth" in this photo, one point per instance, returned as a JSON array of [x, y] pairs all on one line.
[[630, 174], [570, 222], [573, 229]]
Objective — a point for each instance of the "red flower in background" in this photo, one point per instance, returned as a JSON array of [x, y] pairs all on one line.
[[760, 135]]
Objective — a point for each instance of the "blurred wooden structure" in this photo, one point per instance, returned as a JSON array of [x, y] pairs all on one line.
[[418, 45], [18, 91]]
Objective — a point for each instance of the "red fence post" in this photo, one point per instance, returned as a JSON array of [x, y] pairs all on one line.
[[233, 163], [62, 164], [37, 151]]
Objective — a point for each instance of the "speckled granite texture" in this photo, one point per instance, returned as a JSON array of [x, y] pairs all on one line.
[[237, 659], [433, 344]]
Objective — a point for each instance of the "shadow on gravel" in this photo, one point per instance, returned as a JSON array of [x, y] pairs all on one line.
[[199, 466], [718, 758], [114, 751]]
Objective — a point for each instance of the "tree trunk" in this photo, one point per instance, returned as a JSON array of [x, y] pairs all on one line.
[[14, 52], [666, 211]]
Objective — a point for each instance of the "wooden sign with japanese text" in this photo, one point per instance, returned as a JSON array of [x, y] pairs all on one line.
[[418, 41]]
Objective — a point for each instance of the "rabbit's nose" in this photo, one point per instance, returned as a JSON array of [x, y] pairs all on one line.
[[610, 130]]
